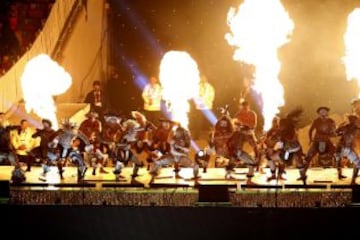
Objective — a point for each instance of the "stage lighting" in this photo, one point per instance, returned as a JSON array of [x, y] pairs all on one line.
[[202, 158]]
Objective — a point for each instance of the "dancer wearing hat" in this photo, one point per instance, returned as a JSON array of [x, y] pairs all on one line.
[[46, 135], [345, 147], [320, 133]]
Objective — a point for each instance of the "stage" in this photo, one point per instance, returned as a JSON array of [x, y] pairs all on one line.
[[323, 189]]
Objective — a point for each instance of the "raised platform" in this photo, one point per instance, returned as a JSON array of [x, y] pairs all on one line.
[[323, 189]]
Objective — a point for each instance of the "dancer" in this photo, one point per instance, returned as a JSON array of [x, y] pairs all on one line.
[[178, 155]]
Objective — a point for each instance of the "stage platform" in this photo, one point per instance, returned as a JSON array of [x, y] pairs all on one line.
[[323, 189]]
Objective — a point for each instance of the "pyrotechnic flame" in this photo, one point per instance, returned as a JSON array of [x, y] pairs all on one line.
[[179, 77], [352, 44], [42, 79], [258, 29]]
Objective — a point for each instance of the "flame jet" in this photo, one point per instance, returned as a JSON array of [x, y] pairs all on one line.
[[179, 77], [258, 29], [352, 45], [42, 79]]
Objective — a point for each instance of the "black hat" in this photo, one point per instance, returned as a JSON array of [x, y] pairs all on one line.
[[46, 121], [322, 108]]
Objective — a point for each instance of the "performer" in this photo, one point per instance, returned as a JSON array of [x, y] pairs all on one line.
[[46, 134], [152, 96], [91, 125], [219, 137], [143, 133], [345, 147], [7, 152], [112, 134], [23, 143], [272, 150], [69, 143], [289, 145], [246, 119], [180, 142], [160, 145], [320, 142], [237, 154], [124, 153], [92, 128]]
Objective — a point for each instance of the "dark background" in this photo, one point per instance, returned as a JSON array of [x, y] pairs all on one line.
[[312, 74], [113, 222]]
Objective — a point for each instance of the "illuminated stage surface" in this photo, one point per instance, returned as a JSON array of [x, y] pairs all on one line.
[[322, 189]]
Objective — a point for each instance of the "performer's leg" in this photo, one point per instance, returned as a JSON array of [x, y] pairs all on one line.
[[272, 166], [313, 150], [166, 160], [281, 171], [354, 175], [298, 158]]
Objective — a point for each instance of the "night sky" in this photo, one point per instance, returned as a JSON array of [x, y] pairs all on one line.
[[312, 74]]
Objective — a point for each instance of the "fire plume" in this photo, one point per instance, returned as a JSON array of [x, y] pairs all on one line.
[[352, 40], [258, 29], [42, 79], [179, 78]]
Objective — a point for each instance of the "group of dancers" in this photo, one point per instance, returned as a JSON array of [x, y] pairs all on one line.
[[166, 143]]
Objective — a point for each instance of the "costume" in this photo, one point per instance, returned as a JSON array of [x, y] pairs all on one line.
[[246, 119], [348, 132], [124, 149], [7, 152], [220, 136], [237, 154], [69, 144], [179, 154], [289, 148], [272, 150], [91, 128], [46, 134], [159, 142], [321, 144]]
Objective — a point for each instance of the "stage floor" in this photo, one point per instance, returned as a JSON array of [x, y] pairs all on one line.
[[324, 177], [322, 189]]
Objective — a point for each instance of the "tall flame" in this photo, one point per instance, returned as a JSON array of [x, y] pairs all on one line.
[[42, 79], [258, 29], [352, 44], [179, 77]]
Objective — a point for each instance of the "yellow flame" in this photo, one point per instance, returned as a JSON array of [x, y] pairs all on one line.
[[352, 45], [258, 29], [179, 77], [42, 79]]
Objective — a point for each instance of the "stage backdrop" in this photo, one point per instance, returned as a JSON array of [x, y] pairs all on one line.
[[74, 35]]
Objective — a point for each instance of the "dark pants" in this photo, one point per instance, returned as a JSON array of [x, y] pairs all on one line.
[[26, 159]]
